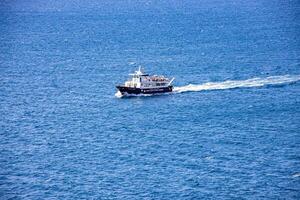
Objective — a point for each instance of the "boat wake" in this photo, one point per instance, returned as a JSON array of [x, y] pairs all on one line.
[[230, 84], [120, 95]]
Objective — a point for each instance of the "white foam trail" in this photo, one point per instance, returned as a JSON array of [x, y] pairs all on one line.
[[253, 82], [118, 94]]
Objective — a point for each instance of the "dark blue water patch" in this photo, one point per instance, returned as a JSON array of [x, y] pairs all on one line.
[[64, 135]]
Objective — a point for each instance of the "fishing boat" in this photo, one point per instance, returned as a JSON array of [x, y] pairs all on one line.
[[143, 83]]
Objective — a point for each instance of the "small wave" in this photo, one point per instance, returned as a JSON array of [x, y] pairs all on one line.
[[296, 175], [208, 157], [230, 84]]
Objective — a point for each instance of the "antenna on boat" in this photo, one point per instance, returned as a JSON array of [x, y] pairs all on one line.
[[171, 81], [139, 72]]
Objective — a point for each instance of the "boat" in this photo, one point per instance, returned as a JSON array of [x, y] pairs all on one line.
[[142, 83]]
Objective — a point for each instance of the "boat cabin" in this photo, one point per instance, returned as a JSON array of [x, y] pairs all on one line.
[[141, 80]]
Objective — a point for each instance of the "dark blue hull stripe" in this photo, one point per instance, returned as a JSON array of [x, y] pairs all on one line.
[[130, 90]]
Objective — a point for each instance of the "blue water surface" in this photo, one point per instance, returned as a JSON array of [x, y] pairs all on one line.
[[64, 134]]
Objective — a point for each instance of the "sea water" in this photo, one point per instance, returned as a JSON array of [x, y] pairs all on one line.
[[230, 130]]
